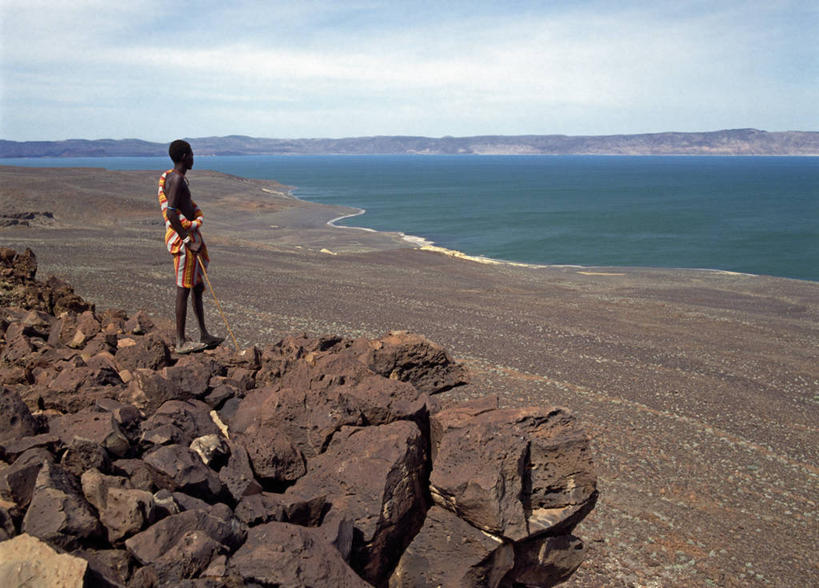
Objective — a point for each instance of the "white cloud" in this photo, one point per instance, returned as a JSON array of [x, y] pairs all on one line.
[[585, 68]]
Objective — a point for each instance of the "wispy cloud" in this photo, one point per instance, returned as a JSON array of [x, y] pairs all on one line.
[[326, 69]]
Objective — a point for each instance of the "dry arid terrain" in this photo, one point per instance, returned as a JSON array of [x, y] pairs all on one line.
[[700, 389]]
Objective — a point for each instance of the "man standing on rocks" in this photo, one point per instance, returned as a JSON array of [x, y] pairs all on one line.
[[183, 219]]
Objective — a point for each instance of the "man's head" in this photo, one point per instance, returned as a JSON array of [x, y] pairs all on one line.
[[180, 150]]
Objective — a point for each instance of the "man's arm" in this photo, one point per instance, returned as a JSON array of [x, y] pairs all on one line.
[[174, 195]]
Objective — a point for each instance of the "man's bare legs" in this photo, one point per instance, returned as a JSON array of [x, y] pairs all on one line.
[[198, 312], [181, 314]]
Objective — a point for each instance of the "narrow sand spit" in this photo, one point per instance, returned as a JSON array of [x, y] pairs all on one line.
[[700, 388]]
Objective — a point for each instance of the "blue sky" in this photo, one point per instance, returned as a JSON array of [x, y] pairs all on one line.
[[155, 70]]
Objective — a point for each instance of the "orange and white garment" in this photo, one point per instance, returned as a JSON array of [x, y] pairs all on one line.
[[187, 270]]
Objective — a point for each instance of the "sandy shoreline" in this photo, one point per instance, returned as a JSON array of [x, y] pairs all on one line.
[[700, 388]]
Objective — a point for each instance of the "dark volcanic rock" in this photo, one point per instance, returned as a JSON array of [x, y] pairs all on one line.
[[83, 455], [448, 551], [178, 421], [106, 567], [63, 329], [281, 554], [412, 358], [87, 327], [13, 375], [192, 374], [13, 448], [147, 390], [317, 396], [102, 343], [126, 512], [545, 561], [99, 427], [17, 351], [74, 377], [178, 468], [123, 510], [8, 512], [15, 417], [126, 416], [137, 471], [183, 545], [272, 454], [24, 265], [513, 472], [18, 480], [58, 512], [95, 487], [148, 352], [139, 324], [377, 475], [237, 474], [283, 508], [331, 464]]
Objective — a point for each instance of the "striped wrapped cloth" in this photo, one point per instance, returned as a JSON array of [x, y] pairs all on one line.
[[188, 273]]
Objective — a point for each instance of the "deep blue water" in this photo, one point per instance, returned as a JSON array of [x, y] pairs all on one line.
[[746, 214]]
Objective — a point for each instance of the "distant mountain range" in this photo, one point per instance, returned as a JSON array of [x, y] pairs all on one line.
[[727, 142]]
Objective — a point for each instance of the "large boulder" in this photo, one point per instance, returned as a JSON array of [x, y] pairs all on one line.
[[58, 512], [237, 474], [83, 455], [182, 545], [15, 417], [178, 421], [147, 352], [148, 390], [177, 468], [513, 472], [266, 507], [317, 396], [18, 480], [27, 561], [545, 561], [376, 475], [123, 510], [18, 351], [94, 425], [272, 454], [74, 377], [275, 360], [412, 358], [281, 554], [448, 551], [87, 327], [13, 448], [192, 374], [106, 567]]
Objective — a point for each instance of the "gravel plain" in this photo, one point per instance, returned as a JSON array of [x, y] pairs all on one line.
[[700, 389]]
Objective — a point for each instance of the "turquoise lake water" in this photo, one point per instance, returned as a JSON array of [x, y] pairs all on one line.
[[757, 215]]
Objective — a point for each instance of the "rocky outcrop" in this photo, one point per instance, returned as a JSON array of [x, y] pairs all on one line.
[[310, 462]]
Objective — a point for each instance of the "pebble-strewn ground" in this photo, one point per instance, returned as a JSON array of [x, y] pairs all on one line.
[[700, 389]]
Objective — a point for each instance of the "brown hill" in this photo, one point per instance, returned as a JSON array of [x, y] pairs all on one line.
[[725, 142]]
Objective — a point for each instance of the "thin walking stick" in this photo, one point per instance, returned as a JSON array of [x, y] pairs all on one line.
[[219, 306]]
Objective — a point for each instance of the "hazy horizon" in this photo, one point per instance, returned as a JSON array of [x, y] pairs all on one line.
[[406, 135]]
